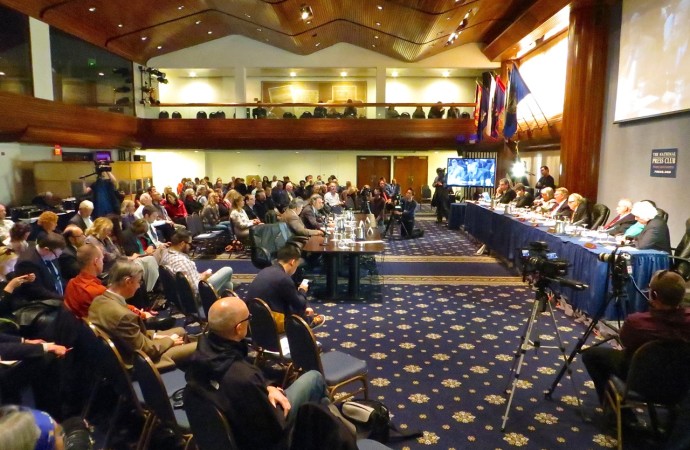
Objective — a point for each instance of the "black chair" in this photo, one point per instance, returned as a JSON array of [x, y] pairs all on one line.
[[682, 253], [426, 197], [209, 426], [207, 242], [600, 214], [266, 239], [339, 369], [167, 279], [201, 115], [208, 296], [188, 300], [156, 395], [176, 115], [648, 385], [663, 214], [268, 342]]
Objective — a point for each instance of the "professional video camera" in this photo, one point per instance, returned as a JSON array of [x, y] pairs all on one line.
[[102, 167], [620, 270], [540, 265]]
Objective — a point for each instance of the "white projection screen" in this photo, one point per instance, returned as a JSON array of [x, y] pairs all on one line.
[[654, 65]]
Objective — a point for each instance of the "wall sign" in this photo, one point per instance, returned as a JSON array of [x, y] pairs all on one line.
[[664, 163]]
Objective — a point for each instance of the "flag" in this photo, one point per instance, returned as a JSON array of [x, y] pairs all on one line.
[[484, 104], [489, 112], [517, 90], [498, 107], [477, 104]]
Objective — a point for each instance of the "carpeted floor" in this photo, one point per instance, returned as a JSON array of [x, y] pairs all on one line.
[[440, 342]]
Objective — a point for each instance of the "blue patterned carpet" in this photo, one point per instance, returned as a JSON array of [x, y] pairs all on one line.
[[440, 344]]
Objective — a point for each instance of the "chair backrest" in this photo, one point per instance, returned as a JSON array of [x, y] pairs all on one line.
[[303, 348], [195, 224], [167, 279], [663, 214], [600, 214], [209, 426], [667, 386], [208, 295], [683, 251], [263, 326], [266, 240], [153, 389], [112, 366], [426, 192], [186, 294]]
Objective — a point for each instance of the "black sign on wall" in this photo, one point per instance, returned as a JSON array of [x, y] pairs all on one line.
[[664, 163]]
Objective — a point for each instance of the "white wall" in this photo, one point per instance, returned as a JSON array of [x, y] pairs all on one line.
[[169, 167]]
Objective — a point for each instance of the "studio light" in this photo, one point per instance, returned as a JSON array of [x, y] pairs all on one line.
[[306, 13]]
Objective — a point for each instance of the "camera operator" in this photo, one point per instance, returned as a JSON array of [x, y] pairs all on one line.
[[665, 320], [440, 200], [406, 211], [105, 197]]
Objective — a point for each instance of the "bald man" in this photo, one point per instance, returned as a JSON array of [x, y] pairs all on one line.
[[259, 415]]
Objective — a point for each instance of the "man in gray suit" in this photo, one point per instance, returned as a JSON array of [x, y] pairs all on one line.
[[109, 312]]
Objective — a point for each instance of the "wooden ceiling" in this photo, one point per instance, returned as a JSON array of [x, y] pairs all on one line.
[[407, 30]]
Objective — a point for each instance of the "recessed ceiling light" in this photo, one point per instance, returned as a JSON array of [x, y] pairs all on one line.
[[317, 44], [379, 7], [197, 22], [293, 74], [308, 22], [258, 29], [376, 36], [2, 74], [92, 9], [248, 17], [373, 45], [119, 25], [101, 74], [159, 47], [192, 74], [181, 7], [378, 24], [343, 74], [143, 38], [394, 73], [305, 12], [210, 32]]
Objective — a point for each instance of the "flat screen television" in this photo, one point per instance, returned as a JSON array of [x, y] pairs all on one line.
[[473, 172]]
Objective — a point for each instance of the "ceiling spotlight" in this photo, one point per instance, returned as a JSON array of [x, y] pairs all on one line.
[[378, 24], [181, 7], [379, 7], [197, 22], [305, 12], [92, 9], [101, 74], [376, 36], [210, 32], [343, 74], [293, 74], [159, 47], [2, 74], [119, 25], [143, 38], [317, 44]]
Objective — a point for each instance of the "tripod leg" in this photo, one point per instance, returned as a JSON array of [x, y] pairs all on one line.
[[520, 356]]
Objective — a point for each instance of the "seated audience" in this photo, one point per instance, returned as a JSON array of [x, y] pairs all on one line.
[[504, 194], [109, 311], [291, 216], [41, 260], [249, 202], [523, 199], [13, 246], [46, 223], [133, 241], [240, 221], [624, 218], [275, 286], [418, 113], [392, 113], [377, 205], [82, 218], [436, 111], [74, 238], [350, 110], [190, 203], [665, 320], [261, 416], [100, 235], [263, 206], [127, 216], [211, 215], [5, 223], [655, 234], [177, 260]]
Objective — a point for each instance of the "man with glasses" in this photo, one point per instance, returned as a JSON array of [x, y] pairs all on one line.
[[665, 320], [177, 260], [74, 238], [109, 311], [41, 260], [259, 415]]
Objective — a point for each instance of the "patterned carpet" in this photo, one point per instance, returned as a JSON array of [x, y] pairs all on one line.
[[440, 346]]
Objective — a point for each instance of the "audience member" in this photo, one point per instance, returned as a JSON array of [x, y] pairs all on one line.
[[377, 206], [109, 311], [436, 111], [332, 199], [263, 206], [350, 110], [127, 216], [240, 221], [211, 216], [546, 179], [665, 320], [175, 208], [418, 113], [623, 220], [280, 198], [82, 218], [177, 260], [249, 202], [83, 288], [5, 223], [74, 238], [190, 203], [13, 246], [392, 113], [46, 223], [261, 416], [41, 260], [440, 199]]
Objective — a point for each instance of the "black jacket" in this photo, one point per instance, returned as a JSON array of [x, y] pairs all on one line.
[[44, 286], [655, 236], [238, 388], [274, 286], [69, 267]]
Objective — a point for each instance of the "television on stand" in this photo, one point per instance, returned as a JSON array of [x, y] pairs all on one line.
[[471, 172]]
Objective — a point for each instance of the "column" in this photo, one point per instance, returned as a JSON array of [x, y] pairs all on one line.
[[586, 83], [380, 92], [240, 92], [41, 60]]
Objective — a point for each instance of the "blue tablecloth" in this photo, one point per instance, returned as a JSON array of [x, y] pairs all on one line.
[[506, 235], [456, 216]]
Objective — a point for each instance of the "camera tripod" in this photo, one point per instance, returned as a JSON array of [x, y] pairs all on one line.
[[618, 297], [393, 219], [542, 301]]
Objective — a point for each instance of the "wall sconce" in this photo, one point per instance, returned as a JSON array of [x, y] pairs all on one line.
[[305, 12]]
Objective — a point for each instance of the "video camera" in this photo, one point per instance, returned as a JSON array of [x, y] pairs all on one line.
[[102, 167], [618, 263], [540, 265]]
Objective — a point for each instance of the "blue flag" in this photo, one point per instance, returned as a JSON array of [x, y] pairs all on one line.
[[484, 105], [517, 90]]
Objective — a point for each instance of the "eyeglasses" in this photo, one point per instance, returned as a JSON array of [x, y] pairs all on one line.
[[249, 317]]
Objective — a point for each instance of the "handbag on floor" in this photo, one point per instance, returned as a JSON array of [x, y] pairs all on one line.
[[373, 421]]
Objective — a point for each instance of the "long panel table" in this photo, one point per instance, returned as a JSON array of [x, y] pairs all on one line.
[[506, 235]]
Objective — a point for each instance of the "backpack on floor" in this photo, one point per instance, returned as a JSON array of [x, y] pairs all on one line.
[[373, 421]]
